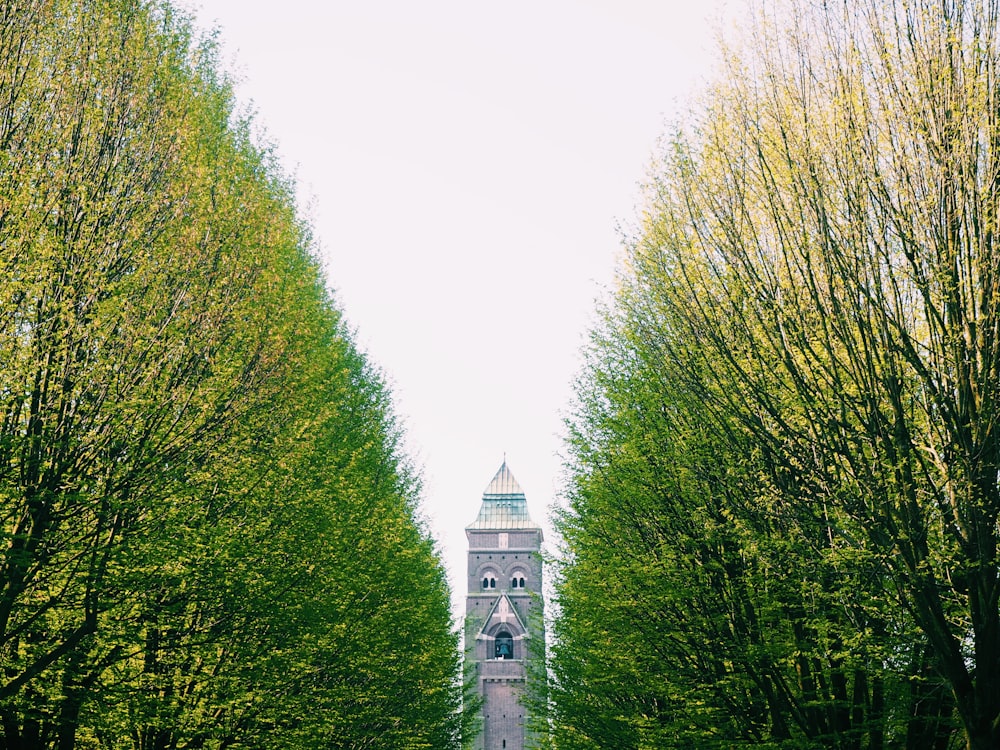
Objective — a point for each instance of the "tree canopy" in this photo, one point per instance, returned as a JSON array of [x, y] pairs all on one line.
[[210, 534], [783, 519]]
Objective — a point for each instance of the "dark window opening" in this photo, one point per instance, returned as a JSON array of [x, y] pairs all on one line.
[[503, 647], [486, 583]]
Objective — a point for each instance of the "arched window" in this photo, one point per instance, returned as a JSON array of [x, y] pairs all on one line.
[[513, 583], [503, 646], [493, 582], [521, 584], [486, 583]]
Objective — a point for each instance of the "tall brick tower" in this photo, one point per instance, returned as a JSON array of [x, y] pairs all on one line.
[[503, 610]]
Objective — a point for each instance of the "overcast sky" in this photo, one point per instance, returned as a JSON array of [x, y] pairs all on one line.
[[468, 166]]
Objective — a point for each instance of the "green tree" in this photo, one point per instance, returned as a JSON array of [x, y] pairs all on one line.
[[210, 536], [819, 273], [697, 605]]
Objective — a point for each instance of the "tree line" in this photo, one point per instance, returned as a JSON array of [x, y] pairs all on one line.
[[210, 535], [782, 517]]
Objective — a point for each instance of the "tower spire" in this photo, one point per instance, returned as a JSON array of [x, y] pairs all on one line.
[[504, 505]]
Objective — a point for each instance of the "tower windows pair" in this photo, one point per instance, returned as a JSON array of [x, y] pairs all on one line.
[[490, 582]]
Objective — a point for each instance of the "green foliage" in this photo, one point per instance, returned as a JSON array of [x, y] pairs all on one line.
[[782, 528], [209, 530]]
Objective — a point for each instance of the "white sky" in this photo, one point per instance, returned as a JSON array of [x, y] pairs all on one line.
[[467, 165]]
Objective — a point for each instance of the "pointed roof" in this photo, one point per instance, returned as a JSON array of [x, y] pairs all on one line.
[[503, 485], [504, 505]]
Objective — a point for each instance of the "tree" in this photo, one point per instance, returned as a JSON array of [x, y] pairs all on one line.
[[818, 271], [733, 616], [203, 502]]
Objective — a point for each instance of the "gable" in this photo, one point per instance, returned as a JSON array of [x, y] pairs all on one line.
[[503, 612]]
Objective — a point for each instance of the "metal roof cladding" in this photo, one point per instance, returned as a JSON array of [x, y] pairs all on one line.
[[504, 505]]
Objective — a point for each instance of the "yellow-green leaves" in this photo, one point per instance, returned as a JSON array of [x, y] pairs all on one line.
[[192, 451], [812, 304]]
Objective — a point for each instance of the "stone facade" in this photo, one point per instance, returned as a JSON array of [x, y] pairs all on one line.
[[503, 611]]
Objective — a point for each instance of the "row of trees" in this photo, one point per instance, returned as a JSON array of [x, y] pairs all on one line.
[[209, 532], [782, 527]]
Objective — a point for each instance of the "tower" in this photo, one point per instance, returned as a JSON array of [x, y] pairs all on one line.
[[503, 610]]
